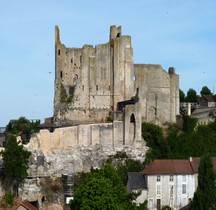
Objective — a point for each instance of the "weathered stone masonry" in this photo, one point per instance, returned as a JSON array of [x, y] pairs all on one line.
[[91, 83], [94, 85]]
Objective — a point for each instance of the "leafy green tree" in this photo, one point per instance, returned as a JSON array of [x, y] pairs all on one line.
[[204, 197], [189, 124], [179, 143], [124, 164], [181, 96], [22, 126], [153, 135], [102, 189], [205, 91], [191, 96], [15, 159]]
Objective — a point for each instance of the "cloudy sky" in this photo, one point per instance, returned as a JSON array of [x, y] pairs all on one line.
[[179, 33]]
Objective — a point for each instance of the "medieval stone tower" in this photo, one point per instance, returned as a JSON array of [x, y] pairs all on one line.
[[96, 84]]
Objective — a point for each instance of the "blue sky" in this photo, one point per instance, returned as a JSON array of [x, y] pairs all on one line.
[[168, 32]]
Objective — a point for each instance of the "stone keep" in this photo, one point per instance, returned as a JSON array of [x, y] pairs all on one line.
[[93, 84]]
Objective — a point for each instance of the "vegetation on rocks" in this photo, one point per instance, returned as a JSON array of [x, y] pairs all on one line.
[[15, 160], [103, 189]]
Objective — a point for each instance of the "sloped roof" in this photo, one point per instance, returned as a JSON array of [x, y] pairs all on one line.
[[136, 180], [189, 166], [209, 98], [26, 205], [168, 167], [196, 162]]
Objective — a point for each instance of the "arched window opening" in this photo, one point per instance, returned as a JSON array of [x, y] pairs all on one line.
[[132, 118], [75, 78]]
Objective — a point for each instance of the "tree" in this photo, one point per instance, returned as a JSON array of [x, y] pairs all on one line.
[[102, 189], [22, 126], [204, 197], [153, 135], [15, 159], [191, 96], [181, 96], [205, 91]]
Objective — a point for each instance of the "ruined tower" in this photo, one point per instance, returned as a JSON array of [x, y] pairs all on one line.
[[90, 81], [94, 84]]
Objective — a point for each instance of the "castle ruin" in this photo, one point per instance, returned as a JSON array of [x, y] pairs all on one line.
[[101, 83]]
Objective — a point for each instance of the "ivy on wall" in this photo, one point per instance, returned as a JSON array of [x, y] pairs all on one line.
[[65, 97]]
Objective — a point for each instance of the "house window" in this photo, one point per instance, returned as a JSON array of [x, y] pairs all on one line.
[[171, 178], [158, 190], [184, 178], [171, 203], [151, 203], [184, 189], [158, 178], [171, 191]]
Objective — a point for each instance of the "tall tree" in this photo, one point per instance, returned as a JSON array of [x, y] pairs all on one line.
[[15, 159], [204, 197], [181, 95], [191, 96], [205, 91], [102, 189]]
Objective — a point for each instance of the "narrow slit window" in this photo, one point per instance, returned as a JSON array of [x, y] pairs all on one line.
[[71, 60], [59, 52], [61, 74], [96, 87], [82, 87]]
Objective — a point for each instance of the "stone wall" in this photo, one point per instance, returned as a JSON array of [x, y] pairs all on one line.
[[158, 93], [80, 147], [91, 81]]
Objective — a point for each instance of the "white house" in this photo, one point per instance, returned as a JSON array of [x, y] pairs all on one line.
[[166, 182]]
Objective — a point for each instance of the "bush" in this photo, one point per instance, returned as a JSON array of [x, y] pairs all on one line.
[[7, 199]]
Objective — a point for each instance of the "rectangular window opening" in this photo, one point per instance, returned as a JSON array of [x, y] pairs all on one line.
[[184, 189], [82, 87], [59, 52], [158, 189], [184, 178], [171, 178], [158, 178], [96, 87], [61, 74]]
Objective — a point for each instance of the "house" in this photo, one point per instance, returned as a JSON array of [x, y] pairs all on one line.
[[25, 205], [166, 182], [207, 101], [136, 183]]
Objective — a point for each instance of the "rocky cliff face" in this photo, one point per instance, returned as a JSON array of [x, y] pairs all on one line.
[[55, 160]]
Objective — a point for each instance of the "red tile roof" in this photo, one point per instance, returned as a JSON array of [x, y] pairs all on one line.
[[168, 167], [189, 166], [209, 98], [27, 206]]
